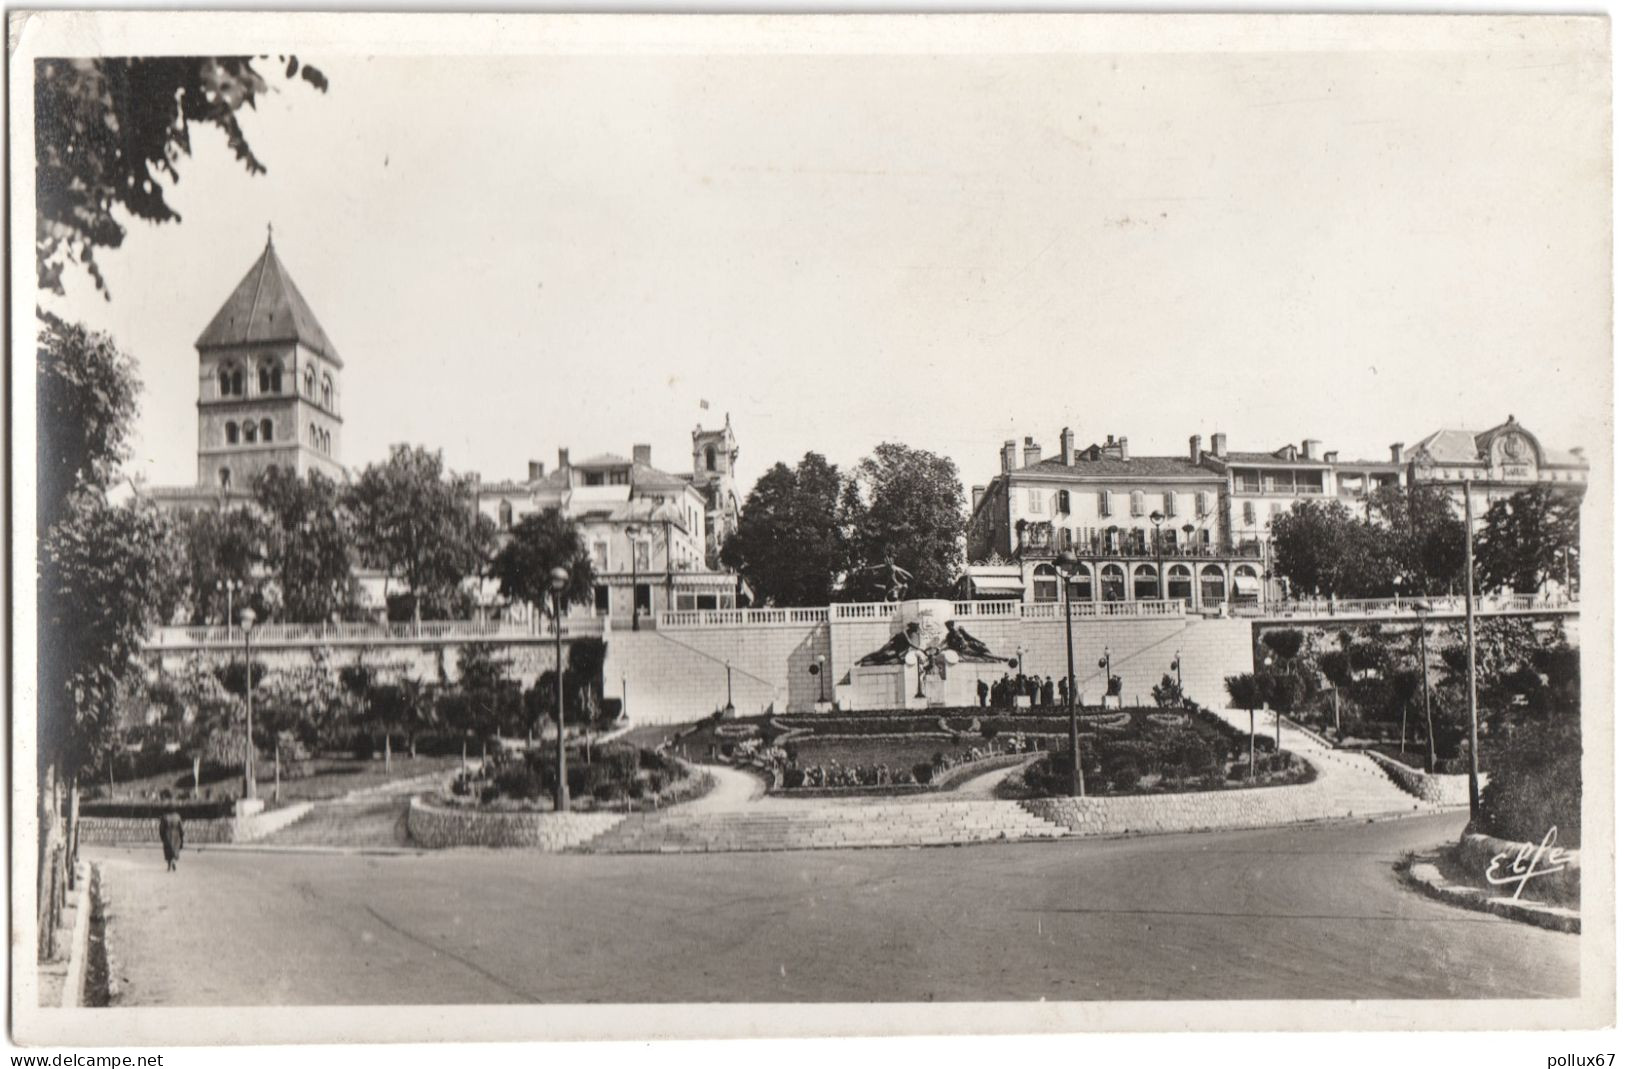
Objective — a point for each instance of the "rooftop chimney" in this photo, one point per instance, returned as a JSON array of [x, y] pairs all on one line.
[[1218, 446], [1031, 453], [641, 454], [1007, 456], [1196, 449], [537, 470], [564, 459], [1066, 447], [1395, 450], [1311, 448], [976, 493], [1331, 456], [1122, 447]]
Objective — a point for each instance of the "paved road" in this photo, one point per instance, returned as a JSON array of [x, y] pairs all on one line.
[[1279, 913]]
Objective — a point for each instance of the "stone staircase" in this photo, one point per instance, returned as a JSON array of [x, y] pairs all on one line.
[[1353, 784], [374, 817], [824, 826]]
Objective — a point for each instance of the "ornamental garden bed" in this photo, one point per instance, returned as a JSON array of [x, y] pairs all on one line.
[[618, 778]]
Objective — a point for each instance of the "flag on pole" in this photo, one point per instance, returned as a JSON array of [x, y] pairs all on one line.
[[705, 404]]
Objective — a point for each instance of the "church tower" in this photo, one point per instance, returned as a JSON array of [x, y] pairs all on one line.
[[268, 385], [714, 456]]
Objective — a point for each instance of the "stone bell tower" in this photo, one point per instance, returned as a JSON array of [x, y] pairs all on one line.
[[714, 455], [268, 384]]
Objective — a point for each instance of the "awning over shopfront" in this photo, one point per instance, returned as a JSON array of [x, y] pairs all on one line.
[[995, 585], [1246, 584]]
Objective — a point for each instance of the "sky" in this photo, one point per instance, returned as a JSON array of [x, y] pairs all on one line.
[[517, 254]]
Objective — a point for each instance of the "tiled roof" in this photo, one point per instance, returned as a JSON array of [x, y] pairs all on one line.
[[267, 307], [1111, 467], [1448, 447], [1235, 456]]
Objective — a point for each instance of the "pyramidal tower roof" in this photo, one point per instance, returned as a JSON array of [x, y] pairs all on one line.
[[267, 307]]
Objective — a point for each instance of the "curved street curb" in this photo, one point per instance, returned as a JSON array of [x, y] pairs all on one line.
[[1424, 875]]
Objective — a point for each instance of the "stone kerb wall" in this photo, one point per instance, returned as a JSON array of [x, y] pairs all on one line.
[[440, 828], [1476, 853], [1243, 807], [128, 831], [1447, 790]]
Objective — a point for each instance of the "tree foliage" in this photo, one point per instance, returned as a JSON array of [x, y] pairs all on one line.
[[217, 547], [110, 132], [790, 546], [536, 545], [904, 509], [86, 396], [420, 524], [308, 539], [1411, 535], [1528, 540]]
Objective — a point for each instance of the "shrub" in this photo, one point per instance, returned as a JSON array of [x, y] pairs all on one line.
[[1125, 775], [924, 771], [1536, 786]]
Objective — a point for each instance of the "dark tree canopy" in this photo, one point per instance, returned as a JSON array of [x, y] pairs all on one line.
[[420, 525], [219, 547], [789, 546], [1409, 542], [1528, 540], [536, 545], [1246, 691], [308, 538], [905, 509], [86, 390], [109, 132]]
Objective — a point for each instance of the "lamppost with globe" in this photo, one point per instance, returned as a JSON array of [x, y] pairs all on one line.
[[1106, 663], [1156, 523], [557, 578], [250, 788], [1067, 565], [229, 587]]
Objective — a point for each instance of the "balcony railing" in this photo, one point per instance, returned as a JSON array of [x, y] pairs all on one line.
[[1485, 604], [349, 633]]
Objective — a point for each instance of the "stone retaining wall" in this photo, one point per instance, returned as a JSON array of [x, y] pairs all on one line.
[[130, 831], [439, 828], [1430, 787], [1475, 853], [1242, 807]]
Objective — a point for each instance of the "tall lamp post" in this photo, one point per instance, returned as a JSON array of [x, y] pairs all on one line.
[[1156, 522], [822, 663], [1472, 662], [1178, 665], [1421, 608], [1066, 564], [250, 788], [1106, 663], [557, 578], [632, 531]]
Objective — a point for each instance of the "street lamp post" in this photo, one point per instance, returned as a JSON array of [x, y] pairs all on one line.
[[632, 544], [250, 788], [1427, 699], [1106, 663], [728, 710], [557, 578], [1156, 523], [1472, 662], [1178, 665], [822, 663], [1066, 564]]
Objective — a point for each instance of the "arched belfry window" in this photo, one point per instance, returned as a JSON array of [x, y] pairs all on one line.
[[265, 379], [313, 439], [237, 382], [250, 432], [225, 382], [265, 430], [327, 392], [710, 458], [310, 381], [231, 433]]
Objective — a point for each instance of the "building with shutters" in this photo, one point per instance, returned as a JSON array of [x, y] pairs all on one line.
[[650, 532], [1142, 528]]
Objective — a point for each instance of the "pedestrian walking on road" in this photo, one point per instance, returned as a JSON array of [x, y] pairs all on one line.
[[173, 835]]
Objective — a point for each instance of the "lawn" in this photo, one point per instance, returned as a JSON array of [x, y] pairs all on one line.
[[329, 777]]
